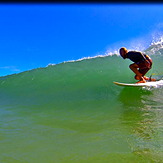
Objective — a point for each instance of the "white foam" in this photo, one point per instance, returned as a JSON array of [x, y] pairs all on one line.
[[156, 84]]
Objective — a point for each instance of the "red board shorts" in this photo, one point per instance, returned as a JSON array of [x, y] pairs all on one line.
[[144, 66]]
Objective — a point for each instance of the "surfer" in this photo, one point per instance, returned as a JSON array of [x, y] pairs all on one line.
[[142, 64]]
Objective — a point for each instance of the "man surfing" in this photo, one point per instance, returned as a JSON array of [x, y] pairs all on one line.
[[142, 64]]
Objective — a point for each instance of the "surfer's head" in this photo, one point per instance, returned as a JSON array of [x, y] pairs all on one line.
[[123, 51]]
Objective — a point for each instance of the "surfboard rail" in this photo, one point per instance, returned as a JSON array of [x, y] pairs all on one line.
[[147, 84]]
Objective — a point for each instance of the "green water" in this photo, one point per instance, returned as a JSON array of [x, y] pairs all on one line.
[[73, 113]]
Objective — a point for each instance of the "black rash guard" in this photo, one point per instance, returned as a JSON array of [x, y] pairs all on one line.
[[135, 56]]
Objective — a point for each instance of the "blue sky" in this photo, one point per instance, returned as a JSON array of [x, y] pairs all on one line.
[[34, 35]]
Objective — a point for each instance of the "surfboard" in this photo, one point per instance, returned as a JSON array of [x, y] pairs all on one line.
[[147, 84]]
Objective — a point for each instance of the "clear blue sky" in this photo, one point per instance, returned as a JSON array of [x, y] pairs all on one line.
[[34, 35]]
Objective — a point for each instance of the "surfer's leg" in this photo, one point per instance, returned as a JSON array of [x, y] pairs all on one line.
[[134, 67], [141, 79], [144, 67], [143, 72]]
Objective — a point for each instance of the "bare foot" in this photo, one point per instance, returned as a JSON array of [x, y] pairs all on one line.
[[141, 81], [146, 78], [150, 79]]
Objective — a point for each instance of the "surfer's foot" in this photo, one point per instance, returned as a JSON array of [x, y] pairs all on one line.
[[152, 79], [146, 78], [149, 79], [141, 81]]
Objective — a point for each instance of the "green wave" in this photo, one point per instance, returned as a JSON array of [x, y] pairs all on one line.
[[72, 112]]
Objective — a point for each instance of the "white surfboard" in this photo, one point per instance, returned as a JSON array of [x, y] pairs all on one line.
[[147, 84]]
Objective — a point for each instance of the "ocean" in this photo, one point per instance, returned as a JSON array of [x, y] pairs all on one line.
[[73, 113]]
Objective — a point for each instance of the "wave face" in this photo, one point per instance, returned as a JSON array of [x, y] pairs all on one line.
[[72, 112]]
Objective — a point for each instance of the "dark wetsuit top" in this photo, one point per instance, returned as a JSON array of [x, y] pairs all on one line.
[[135, 56]]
